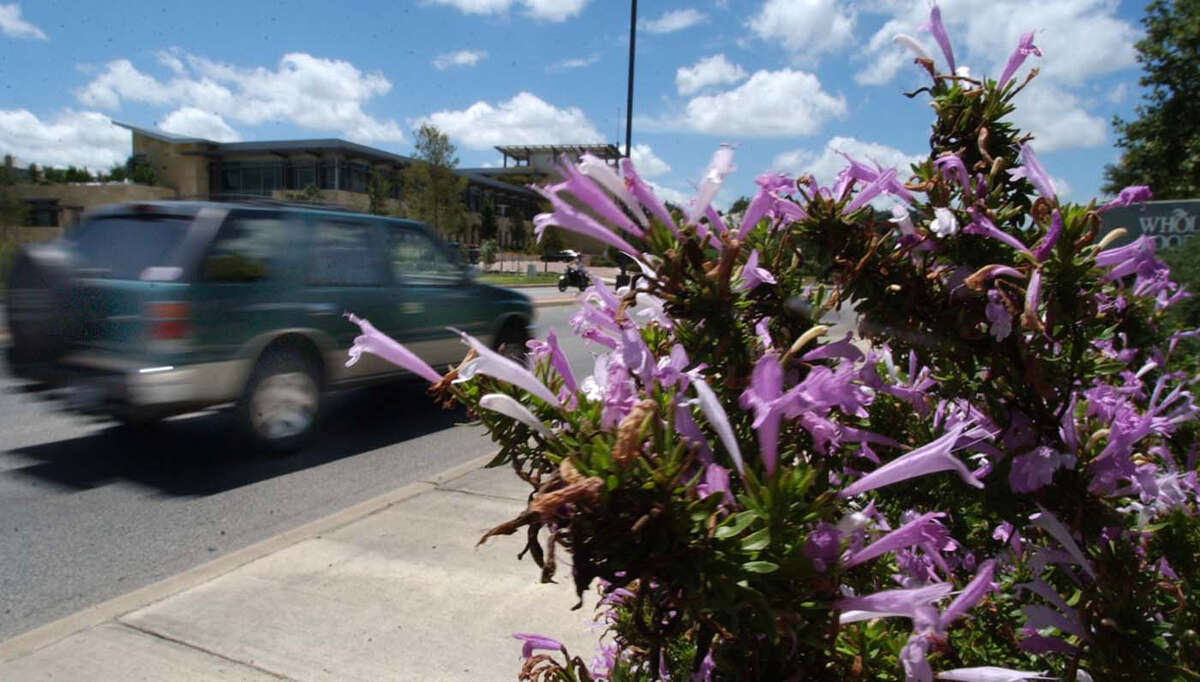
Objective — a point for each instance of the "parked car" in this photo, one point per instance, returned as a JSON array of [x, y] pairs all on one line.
[[565, 256], [149, 310]]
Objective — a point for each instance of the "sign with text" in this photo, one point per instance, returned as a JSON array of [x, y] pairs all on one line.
[[1168, 222]]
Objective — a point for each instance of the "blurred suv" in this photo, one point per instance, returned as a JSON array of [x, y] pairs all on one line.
[[148, 310]]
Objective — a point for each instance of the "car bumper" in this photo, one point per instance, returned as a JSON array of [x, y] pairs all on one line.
[[94, 384]]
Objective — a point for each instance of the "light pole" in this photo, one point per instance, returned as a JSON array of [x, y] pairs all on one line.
[[629, 96]]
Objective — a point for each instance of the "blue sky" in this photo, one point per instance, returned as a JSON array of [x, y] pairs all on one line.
[[791, 82]]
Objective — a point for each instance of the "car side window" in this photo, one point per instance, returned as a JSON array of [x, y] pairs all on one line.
[[417, 259], [345, 253], [247, 248]]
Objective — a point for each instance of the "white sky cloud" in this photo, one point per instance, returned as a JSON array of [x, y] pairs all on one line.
[[545, 10], [573, 63], [680, 199], [714, 70], [524, 119], [193, 122], [826, 164], [646, 162], [1057, 119], [771, 103], [310, 92], [1117, 94], [805, 27], [673, 20], [460, 58], [70, 137], [12, 25]]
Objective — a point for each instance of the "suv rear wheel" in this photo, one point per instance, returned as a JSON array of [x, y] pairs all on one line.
[[510, 342], [280, 406]]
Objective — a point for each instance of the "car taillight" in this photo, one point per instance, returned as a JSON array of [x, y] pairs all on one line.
[[168, 321]]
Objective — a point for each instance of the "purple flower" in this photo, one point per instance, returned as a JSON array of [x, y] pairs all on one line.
[[1033, 294], [939, 34], [720, 167], [1050, 523], [930, 458], [715, 414], [536, 643], [982, 226], [570, 218], [1025, 47], [823, 546], [558, 360], [716, 480], [998, 317], [1042, 252], [902, 220], [989, 673], [923, 530], [898, 603], [1136, 257], [599, 171], [1127, 196], [884, 183], [493, 364], [509, 407], [1033, 172], [707, 668], [975, 590], [644, 196], [763, 396], [1035, 469], [752, 275], [838, 349], [951, 167], [911, 43], [767, 202], [376, 342], [593, 196], [763, 331]]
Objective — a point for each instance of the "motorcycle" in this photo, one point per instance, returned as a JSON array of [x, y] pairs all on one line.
[[574, 276]]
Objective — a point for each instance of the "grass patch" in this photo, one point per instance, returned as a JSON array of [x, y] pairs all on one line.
[[511, 278]]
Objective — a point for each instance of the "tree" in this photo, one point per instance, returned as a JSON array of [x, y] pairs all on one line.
[[487, 220], [739, 206], [379, 190], [433, 192], [1161, 147], [487, 253]]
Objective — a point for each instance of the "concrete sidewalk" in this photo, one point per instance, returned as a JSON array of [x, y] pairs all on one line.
[[391, 589]]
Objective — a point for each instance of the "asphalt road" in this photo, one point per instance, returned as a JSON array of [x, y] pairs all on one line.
[[89, 512]]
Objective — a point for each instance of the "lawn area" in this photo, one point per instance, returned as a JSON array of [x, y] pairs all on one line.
[[511, 278]]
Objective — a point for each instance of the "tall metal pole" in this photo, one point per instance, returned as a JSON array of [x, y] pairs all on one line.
[[629, 98]]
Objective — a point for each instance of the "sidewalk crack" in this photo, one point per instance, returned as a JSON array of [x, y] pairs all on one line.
[[210, 652]]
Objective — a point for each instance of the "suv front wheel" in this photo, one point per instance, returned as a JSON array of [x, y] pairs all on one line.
[[279, 408]]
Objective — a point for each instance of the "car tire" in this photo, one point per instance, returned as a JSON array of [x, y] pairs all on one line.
[[279, 409]]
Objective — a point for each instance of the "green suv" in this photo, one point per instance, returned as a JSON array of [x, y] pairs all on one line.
[[148, 310]]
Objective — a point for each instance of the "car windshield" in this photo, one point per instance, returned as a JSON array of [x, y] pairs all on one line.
[[121, 247]]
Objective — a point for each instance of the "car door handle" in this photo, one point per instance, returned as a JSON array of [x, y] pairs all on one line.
[[321, 309]]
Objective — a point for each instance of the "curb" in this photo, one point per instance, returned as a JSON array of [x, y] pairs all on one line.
[[550, 302], [45, 635]]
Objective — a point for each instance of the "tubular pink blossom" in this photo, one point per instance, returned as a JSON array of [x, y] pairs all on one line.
[[1050, 523], [982, 226], [493, 364], [598, 170], [1033, 172], [376, 342], [1025, 47], [897, 603], [711, 407], [930, 458], [1134, 194], [912, 44], [1042, 252], [975, 590], [924, 528], [939, 34], [752, 275], [646, 197], [593, 196], [989, 673], [1033, 294], [570, 218], [509, 407], [558, 360], [535, 642], [720, 167]]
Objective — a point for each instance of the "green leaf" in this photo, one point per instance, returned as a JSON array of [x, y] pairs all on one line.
[[757, 540], [760, 566], [739, 523]]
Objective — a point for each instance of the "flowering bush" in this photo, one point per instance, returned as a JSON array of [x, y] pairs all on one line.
[[998, 475]]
